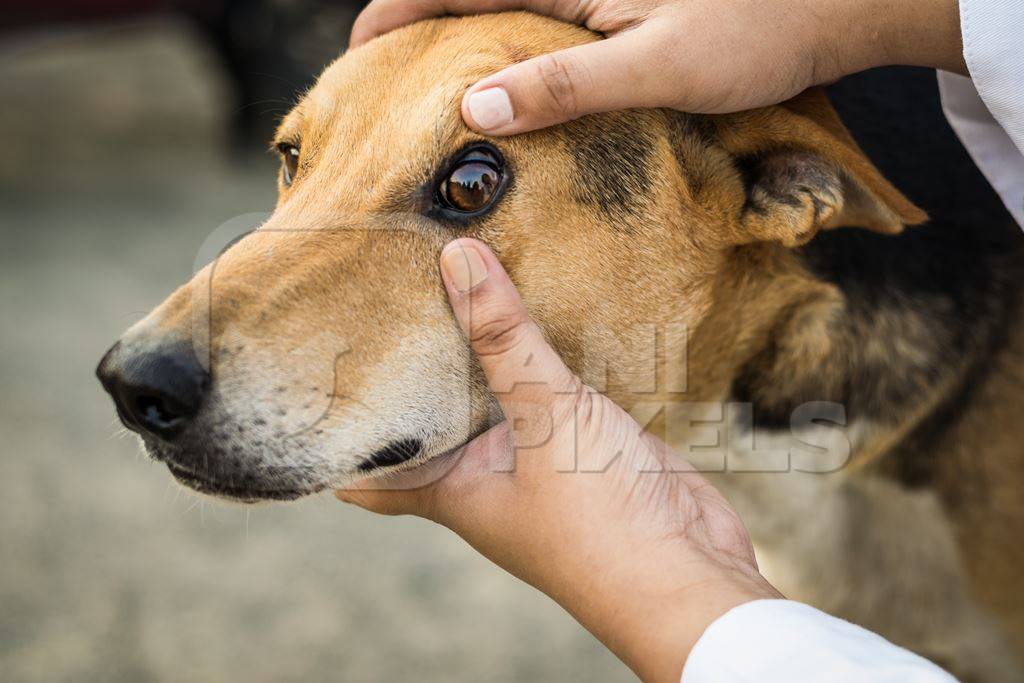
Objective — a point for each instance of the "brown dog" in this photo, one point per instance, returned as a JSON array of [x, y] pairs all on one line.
[[663, 255]]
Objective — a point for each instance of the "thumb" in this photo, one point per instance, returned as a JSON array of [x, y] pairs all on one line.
[[469, 482], [510, 347], [561, 86]]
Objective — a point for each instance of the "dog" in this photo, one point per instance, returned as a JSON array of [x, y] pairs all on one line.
[[749, 265]]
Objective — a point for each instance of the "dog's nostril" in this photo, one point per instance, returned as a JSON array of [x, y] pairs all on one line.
[[156, 414]]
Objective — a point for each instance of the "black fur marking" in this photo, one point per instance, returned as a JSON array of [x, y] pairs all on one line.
[[393, 454], [942, 296], [612, 163]]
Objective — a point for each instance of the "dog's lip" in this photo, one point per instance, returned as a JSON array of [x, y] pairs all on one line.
[[238, 493]]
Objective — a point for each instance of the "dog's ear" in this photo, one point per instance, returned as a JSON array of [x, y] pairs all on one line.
[[802, 172]]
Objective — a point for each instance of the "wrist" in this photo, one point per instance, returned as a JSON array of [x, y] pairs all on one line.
[[873, 33], [652, 618], [673, 626]]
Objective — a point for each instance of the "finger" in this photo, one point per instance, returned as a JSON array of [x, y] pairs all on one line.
[[510, 347], [469, 481], [404, 492], [381, 16], [559, 86]]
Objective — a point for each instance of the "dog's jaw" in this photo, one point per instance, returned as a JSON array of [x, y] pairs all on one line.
[[237, 493]]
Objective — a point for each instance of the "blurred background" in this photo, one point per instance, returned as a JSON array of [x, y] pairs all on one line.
[[131, 130]]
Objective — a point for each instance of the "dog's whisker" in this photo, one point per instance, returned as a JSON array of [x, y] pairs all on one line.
[[277, 101], [196, 500]]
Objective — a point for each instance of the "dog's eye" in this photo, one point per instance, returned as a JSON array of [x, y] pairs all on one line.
[[473, 182], [290, 160]]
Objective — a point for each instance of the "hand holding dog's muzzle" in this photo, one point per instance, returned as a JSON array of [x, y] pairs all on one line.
[[576, 500], [531, 383]]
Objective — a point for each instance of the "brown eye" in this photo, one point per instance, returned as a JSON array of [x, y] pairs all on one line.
[[473, 182], [290, 159]]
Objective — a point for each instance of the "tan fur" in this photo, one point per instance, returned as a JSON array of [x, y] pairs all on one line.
[[330, 323]]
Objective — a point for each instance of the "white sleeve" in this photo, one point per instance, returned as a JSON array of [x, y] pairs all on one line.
[[993, 34], [776, 641], [987, 110]]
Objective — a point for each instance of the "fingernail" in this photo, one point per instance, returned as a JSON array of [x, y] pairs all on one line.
[[490, 108], [464, 267]]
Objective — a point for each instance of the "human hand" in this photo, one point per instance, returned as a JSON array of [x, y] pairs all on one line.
[[700, 56], [578, 501]]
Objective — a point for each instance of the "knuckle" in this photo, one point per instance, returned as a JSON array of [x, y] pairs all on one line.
[[497, 331], [561, 76], [578, 404]]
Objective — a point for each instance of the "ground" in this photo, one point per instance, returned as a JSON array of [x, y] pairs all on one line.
[[113, 171]]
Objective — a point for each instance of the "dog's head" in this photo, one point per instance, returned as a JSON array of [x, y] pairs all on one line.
[[321, 347]]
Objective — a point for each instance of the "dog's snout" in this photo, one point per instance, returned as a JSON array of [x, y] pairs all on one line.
[[155, 391]]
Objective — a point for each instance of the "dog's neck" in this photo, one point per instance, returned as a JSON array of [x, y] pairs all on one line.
[[822, 324]]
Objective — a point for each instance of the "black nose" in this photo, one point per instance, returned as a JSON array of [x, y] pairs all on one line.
[[157, 391]]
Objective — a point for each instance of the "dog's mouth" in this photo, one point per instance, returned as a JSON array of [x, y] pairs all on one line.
[[224, 471], [393, 455], [234, 491]]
